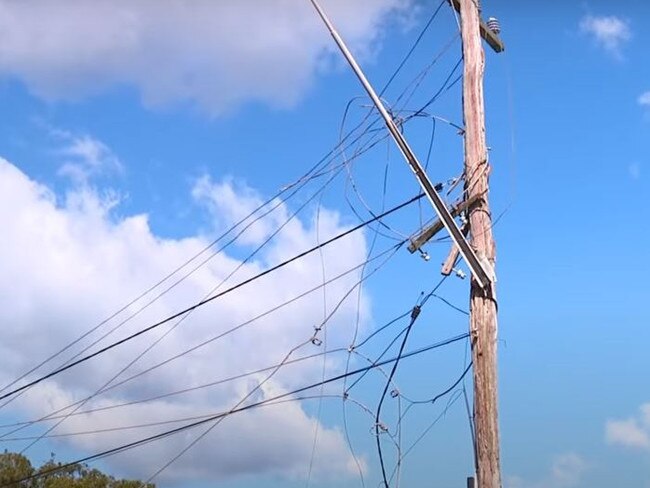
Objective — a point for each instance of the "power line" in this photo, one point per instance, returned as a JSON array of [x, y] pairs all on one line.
[[208, 300], [300, 182], [194, 388], [414, 316], [392, 249], [313, 339], [161, 435], [214, 289], [166, 422]]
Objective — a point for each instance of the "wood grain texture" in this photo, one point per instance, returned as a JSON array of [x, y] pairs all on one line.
[[483, 310]]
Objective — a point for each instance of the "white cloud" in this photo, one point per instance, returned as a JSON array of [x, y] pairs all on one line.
[[610, 32], [631, 432], [224, 201], [85, 157], [644, 99], [566, 471], [211, 53], [68, 264]]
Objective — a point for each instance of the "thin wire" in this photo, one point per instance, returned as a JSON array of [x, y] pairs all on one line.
[[300, 182], [445, 392], [452, 400], [161, 435], [417, 113], [241, 264], [390, 345], [324, 368], [198, 387], [447, 302], [210, 340], [268, 378], [470, 416], [414, 316], [204, 302], [356, 330], [184, 419], [414, 45]]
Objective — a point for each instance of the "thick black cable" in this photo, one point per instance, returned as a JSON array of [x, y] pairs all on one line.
[[303, 179], [213, 290], [414, 316], [329, 156], [208, 300], [205, 342]]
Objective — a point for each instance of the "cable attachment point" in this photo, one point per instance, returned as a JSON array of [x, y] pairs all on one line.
[[460, 273], [424, 255], [316, 341], [394, 393], [415, 312], [380, 428], [351, 348]]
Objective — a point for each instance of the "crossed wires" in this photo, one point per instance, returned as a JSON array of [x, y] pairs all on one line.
[[377, 220], [164, 434]]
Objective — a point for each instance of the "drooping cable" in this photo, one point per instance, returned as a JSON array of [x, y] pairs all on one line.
[[162, 435]]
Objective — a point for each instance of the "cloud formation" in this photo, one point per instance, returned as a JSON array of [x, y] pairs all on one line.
[[69, 262], [85, 157], [212, 54], [566, 471], [609, 32], [644, 99], [631, 432]]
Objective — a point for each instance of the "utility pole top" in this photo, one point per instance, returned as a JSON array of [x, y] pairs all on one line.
[[487, 33]]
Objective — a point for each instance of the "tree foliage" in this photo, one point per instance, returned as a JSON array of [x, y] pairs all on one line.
[[52, 474]]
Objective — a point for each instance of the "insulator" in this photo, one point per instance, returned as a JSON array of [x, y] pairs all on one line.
[[493, 25]]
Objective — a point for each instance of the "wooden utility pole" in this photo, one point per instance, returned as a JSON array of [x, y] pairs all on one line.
[[483, 308]]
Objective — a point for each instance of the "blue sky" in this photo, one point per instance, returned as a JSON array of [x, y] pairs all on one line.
[[132, 136]]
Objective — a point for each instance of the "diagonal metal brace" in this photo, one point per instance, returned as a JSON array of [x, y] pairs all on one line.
[[481, 274]]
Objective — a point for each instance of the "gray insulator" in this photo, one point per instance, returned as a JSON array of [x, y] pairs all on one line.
[[493, 25]]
